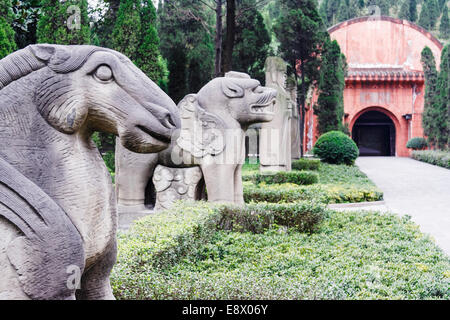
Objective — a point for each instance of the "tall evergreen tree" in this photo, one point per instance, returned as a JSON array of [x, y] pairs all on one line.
[[426, 17], [330, 104], [127, 29], [7, 42], [252, 43], [442, 107], [301, 33], [429, 113], [181, 24], [405, 10], [444, 28], [64, 22], [413, 10], [343, 11]]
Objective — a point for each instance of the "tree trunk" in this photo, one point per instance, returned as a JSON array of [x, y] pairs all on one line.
[[218, 40], [229, 40]]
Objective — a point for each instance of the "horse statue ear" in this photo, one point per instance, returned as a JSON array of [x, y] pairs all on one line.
[[43, 51], [202, 133]]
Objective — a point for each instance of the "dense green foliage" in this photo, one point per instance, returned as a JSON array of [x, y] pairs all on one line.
[[444, 27], [252, 42], [436, 118], [306, 164], [330, 103], [417, 143], [7, 42], [64, 22], [436, 157], [336, 147], [296, 177], [352, 255], [301, 33], [186, 43], [337, 184]]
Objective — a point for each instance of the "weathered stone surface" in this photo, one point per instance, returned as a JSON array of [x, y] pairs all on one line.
[[172, 184], [58, 216], [275, 136], [212, 136], [295, 119]]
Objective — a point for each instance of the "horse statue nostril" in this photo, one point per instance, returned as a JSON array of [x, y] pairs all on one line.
[[168, 122]]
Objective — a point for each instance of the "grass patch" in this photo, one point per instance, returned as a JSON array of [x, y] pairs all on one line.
[[352, 255]]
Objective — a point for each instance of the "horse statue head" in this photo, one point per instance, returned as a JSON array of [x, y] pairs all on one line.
[[57, 205], [98, 89]]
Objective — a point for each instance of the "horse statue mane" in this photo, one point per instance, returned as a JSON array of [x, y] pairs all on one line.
[[58, 215]]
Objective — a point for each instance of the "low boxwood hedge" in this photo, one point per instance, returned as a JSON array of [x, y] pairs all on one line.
[[436, 157], [306, 164], [296, 177], [324, 193]]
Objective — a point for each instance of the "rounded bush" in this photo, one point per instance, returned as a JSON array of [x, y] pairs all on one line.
[[417, 143], [336, 147]]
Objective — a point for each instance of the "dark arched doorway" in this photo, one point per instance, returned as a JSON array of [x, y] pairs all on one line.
[[374, 133]]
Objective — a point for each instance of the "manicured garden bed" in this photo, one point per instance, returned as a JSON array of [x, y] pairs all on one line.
[[188, 254], [336, 184], [436, 157]]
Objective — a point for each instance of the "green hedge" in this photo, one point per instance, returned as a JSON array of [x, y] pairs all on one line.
[[306, 164], [352, 255], [417, 143], [258, 217], [321, 193], [436, 157], [296, 177]]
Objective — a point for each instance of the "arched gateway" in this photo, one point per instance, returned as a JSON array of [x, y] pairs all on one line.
[[384, 87]]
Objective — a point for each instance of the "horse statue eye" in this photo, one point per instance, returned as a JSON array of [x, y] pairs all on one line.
[[104, 73]]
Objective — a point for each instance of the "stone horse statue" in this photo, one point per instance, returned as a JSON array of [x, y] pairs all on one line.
[[212, 136], [58, 215]]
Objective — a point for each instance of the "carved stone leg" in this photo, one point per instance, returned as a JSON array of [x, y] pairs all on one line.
[[238, 188], [95, 283], [173, 184], [219, 182]]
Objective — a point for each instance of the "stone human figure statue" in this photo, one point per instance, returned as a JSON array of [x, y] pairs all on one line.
[[275, 136], [295, 125]]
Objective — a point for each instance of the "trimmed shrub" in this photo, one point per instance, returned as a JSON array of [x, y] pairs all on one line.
[[258, 217], [436, 157], [306, 164], [296, 177], [336, 147], [417, 143]]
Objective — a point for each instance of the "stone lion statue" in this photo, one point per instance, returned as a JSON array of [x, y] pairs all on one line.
[[212, 136], [58, 215]]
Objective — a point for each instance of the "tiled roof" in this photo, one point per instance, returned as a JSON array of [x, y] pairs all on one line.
[[383, 74]]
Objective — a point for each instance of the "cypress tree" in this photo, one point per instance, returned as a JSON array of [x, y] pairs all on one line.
[[442, 108], [301, 34], [7, 42], [429, 113], [178, 70], [405, 10], [60, 25], [425, 18], [252, 44], [413, 10], [342, 13], [127, 28], [330, 104], [444, 28]]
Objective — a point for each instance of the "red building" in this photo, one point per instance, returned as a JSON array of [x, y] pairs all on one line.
[[384, 88]]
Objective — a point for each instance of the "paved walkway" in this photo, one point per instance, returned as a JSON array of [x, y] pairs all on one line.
[[414, 188]]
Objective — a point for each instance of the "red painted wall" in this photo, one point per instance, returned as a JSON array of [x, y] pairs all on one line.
[[385, 74]]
